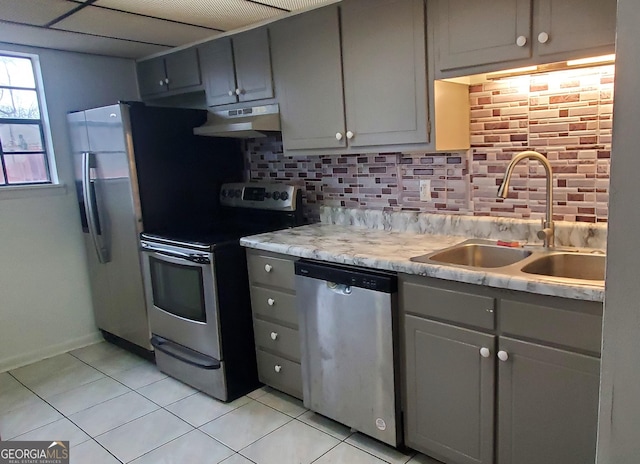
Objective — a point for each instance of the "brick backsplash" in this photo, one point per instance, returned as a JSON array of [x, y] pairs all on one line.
[[565, 115]]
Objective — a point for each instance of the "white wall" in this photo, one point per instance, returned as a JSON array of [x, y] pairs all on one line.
[[45, 303], [619, 422]]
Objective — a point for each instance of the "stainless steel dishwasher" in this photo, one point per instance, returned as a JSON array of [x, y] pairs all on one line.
[[348, 323]]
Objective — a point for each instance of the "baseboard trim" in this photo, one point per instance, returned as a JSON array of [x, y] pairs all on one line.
[[49, 351]]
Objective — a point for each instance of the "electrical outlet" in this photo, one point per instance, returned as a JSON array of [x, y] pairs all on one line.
[[425, 190]]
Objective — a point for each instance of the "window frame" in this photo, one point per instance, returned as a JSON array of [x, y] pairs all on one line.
[[43, 125]]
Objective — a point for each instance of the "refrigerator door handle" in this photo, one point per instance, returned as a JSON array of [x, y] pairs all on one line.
[[90, 211]]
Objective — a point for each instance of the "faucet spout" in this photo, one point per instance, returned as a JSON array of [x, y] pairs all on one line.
[[548, 227]]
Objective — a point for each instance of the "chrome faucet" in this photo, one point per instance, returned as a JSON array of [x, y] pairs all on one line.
[[547, 233]]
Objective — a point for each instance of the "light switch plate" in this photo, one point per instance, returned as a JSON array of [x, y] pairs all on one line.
[[425, 190]]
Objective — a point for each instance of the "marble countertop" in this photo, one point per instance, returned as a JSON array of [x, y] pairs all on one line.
[[389, 250]]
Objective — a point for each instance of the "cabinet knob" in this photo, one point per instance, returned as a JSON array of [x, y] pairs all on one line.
[[166, 80], [271, 301], [543, 37], [238, 91], [274, 335], [485, 352], [161, 82], [490, 310], [277, 368], [339, 136], [268, 268], [521, 41], [350, 135], [503, 355], [231, 93]]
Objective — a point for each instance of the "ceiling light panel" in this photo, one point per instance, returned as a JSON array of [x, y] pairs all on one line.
[[71, 41], [34, 12], [109, 23], [224, 15], [293, 5]]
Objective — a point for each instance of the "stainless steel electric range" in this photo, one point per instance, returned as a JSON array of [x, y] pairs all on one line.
[[198, 294]]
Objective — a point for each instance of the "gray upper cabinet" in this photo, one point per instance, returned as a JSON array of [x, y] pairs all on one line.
[[450, 391], [475, 36], [237, 68], [475, 32], [586, 27], [547, 405], [177, 71], [384, 63], [308, 74]]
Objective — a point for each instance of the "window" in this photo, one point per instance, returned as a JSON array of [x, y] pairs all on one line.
[[23, 147]]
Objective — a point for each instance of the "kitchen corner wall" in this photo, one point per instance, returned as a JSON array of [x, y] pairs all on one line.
[[566, 115]]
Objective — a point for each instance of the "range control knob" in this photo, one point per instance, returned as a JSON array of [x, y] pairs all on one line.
[[267, 195], [238, 193], [276, 195], [284, 196], [225, 193]]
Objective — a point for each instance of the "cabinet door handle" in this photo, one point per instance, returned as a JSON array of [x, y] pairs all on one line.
[[350, 135], [339, 136], [543, 37], [521, 41], [231, 93], [503, 356], [485, 352], [274, 335], [239, 92], [490, 310], [161, 82], [268, 268], [166, 80], [271, 301], [277, 368]]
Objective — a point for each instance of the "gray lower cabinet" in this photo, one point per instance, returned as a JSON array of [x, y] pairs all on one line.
[[533, 377], [449, 391], [547, 405], [473, 36], [238, 68], [275, 320], [173, 72]]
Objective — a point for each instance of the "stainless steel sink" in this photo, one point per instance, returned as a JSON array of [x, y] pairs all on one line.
[[481, 255], [568, 265]]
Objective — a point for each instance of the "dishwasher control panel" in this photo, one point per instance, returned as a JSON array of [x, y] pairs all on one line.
[[370, 279]]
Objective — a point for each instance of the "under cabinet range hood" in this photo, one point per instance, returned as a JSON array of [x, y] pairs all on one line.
[[241, 123]]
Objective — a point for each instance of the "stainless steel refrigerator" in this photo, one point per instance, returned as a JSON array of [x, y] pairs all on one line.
[[138, 169]]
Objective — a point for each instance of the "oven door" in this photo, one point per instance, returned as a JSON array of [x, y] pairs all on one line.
[[181, 297]]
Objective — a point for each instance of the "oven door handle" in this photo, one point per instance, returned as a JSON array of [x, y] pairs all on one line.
[[184, 354], [199, 259]]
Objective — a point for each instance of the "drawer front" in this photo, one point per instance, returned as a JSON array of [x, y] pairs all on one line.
[[449, 305], [274, 337], [276, 305], [266, 270], [576, 329], [289, 377]]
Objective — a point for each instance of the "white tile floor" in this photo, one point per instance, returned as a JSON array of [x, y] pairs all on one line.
[[115, 407]]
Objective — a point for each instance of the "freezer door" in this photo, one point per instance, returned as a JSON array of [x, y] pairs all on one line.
[[118, 215]]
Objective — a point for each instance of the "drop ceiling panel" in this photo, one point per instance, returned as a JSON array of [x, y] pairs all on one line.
[[293, 5], [70, 41], [104, 22], [219, 14], [35, 12]]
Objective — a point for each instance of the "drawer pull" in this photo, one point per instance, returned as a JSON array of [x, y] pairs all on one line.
[[271, 301], [485, 352], [503, 356], [268, 267], [277, 368], [274, 335]]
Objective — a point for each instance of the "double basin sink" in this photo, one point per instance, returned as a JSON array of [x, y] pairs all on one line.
[[555, 264]]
